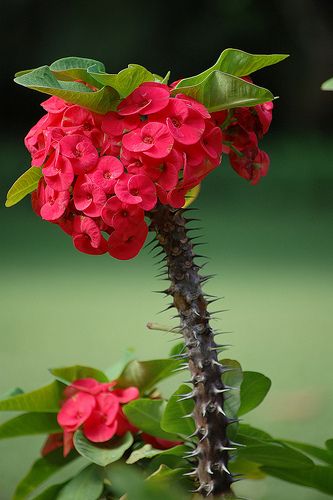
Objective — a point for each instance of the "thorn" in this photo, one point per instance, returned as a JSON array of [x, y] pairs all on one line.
[[220, 410], [150, 242], [160, 275], [192, 473], [205, 435], [159, 253], [220, 391], [189, 415], [214, 300], [170, 306], [233, 443], [224, 468], [194, 453], [154, 248], [182, 367], [190, 395]]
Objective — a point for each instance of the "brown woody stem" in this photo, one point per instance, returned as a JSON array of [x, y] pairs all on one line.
[[209, 391]]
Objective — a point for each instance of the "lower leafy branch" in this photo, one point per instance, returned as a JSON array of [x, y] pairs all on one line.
[[209, 391]]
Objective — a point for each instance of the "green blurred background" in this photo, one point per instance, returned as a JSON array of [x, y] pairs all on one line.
[[270, 245]]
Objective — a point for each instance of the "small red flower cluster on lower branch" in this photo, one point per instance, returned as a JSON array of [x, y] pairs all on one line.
[[103, 173], [96, 408]]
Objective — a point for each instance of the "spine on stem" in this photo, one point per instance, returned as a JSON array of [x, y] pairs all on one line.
[[209, 392]]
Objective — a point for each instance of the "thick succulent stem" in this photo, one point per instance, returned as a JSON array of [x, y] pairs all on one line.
[[209, 391]]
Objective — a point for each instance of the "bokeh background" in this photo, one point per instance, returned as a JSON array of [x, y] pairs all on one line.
[[270, 245]]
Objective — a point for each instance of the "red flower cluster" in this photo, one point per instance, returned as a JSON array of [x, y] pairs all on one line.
[[102, 173], [95, 407], [242, 129]]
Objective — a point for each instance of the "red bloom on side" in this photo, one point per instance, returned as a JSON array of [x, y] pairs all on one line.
[[158, 443], [153, 139], [148, 98], [96, 409]]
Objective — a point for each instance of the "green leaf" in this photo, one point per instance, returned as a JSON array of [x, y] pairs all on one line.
[[126, 80], [147, 451], [251, 435], [328, 85], [12, 392], [232, 378], [40, 471], [192, 195], [75, 68], [115, 370], [45, 399], [165, 475], [250, 470], [253, 391], [104, 453], [178, 348], [173, 417], [24, 185], [87, 485], [319, 477], [146, 374], [275, 455], [29, 423], [235, 62], [43, 80], [329, 444], [223, 91], [314, 451], [146, 414], [129, 480], [68, 374], [51, 492], [165, 80]]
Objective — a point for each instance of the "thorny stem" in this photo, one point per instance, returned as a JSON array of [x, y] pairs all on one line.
[[209, 391]]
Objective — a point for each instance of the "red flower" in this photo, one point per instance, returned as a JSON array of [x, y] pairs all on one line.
[[116, 124], [52, 203], [148, 98], [75, 411], [137, 189], [160, 444], [185, 123], [127, 245], [81, 151], [101, 425], [153, 139], [88, 197], [107, 171], [87, 237], [122, 216], [54, 105], [94, 407], [58, 172]]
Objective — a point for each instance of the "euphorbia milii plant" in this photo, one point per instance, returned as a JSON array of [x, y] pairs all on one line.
[[114, 158]]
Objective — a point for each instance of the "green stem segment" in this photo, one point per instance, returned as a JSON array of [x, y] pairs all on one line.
[[209, 392]]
